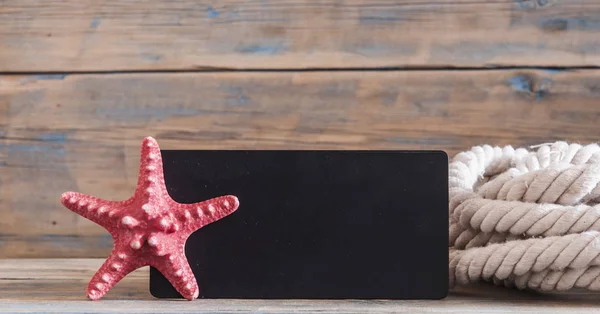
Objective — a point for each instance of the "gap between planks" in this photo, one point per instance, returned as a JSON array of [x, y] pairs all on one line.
[[291, 70]]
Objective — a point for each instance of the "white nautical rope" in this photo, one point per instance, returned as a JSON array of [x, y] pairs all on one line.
[[526, 218]]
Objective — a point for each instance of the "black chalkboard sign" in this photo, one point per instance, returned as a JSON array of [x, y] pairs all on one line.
[[315, 224]]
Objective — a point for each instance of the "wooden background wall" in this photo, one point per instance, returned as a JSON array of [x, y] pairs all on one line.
[[82, 82]]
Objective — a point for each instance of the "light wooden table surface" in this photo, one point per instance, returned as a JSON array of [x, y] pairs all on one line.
[[57, 286]]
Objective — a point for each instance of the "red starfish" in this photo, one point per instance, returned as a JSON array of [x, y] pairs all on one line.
[[148, 229]]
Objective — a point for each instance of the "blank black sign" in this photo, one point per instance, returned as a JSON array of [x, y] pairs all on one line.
[[316, 224]]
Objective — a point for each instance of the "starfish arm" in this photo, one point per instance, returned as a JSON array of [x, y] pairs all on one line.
[[195, 216], [171, 262], [90, 207], [151, 166], [116, 266]]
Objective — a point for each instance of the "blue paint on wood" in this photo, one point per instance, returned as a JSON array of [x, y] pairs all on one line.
[[389, 99], [589, 48], [52, 237], [135, 113], [42, 77], [389, 15], [30, 148], [77, 241], [382, 49], [212, 12], [38, 147], [521, 83], [95, 23], [539, 95], [263, 49], [106, 241], [543, 89], [2, 163], [150, 57], [50, 76], [553, 71], [235, 96], [58, 137], [526, 4], [72, 241], [570, 23], [524, 84], [379, 19], [483, 52]]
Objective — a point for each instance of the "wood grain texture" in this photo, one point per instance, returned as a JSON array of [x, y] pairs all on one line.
[[57, 286], [82, 132], [110, 35]]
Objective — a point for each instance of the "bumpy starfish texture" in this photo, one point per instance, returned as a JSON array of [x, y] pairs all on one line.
[[148, 229]]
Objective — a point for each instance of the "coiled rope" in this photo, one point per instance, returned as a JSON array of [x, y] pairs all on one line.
[[528, 219]]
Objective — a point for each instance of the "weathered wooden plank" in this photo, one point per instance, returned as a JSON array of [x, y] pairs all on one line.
[[82, 132], [82, 243], [34, 282], [107, 35], [58, 285]]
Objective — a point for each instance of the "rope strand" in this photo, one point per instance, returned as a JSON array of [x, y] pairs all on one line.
[[526, 219]]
